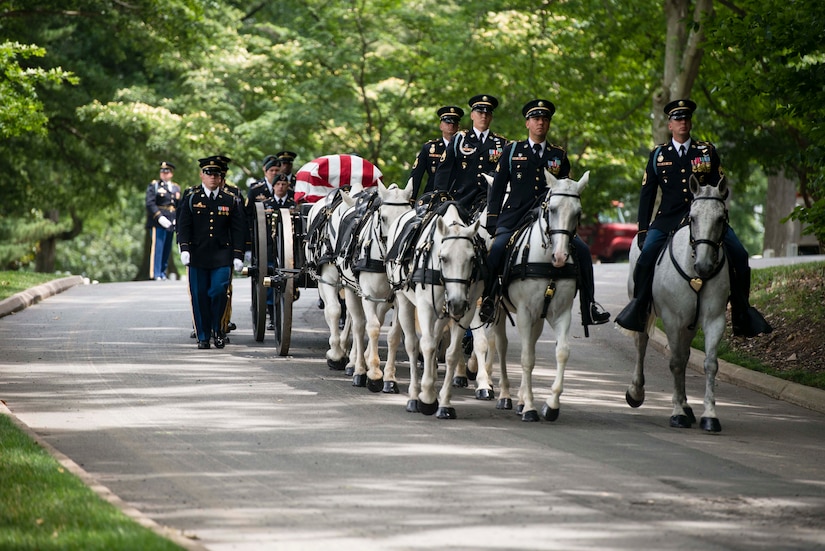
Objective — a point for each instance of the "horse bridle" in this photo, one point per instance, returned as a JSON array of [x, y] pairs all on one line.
[[714, 244], [549, 233], [466, 282]]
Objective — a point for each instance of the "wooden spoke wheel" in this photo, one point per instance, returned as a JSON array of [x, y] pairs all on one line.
[[284, 281], [258, 271]]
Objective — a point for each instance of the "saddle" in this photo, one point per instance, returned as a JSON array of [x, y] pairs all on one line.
[[317, 236], [352, 243]]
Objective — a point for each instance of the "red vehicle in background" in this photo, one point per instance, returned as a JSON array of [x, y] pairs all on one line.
[[610, 237]]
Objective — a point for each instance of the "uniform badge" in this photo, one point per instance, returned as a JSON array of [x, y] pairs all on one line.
[[432, 148], [660, 158]]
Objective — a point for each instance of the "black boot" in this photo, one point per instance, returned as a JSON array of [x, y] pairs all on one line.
[[270, 312], [746, 320], [487, 312], [342, 320], [635, 314]]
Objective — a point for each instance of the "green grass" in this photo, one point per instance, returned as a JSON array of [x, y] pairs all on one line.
[[14, 282], [44, 507]]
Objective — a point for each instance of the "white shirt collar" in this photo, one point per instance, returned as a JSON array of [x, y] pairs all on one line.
[[542, 144], [677, 145]]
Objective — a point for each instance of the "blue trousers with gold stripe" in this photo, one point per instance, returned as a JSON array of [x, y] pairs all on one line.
[[207, 289], [161, 247]]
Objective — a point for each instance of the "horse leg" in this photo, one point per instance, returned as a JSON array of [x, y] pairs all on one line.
[[479, 357], [561, 327], [355, 312], [431, 333], [406, 318], [390, 384], [460, 379], [682, 416], [374, 313], [635, 394], [530, 329], [454, 355], [499, 346], [713, 334], [337, 354]]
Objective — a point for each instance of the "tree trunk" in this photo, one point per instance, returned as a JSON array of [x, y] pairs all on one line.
[[780, 203]]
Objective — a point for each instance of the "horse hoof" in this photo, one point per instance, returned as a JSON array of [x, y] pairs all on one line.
[[531, 416], [519, 409], [631, 401], [680, 421], [359, 380], [472, 375], [390, 387], [375, 386], [349, 372], [427, 409], [446, 413], [548, 413], [504, 403], [337, 365], [460, 382], [710, 424], [485, 394], [689, 413], [412, 406]]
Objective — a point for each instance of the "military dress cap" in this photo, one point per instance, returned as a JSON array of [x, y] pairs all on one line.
[[166, 165], [484, 103], [286, 156], [680, 109], [215, 161], [538, 108], [270, 161], [451, 113]]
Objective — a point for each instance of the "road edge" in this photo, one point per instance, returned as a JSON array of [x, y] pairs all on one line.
[[24, 299], [787, 391], [176, 536]]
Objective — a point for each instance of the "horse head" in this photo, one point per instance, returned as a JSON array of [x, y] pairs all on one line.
[[395, 201], [708, 221], [456, 254], [562, 209]]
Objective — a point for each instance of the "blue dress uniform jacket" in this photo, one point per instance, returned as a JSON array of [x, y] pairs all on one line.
[[161, 200], [464, 161], [427, 162], [212, 230], [520, 173], [666, 170]]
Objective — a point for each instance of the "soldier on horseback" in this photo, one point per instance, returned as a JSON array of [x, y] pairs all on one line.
[[669, 168], [519, 182]]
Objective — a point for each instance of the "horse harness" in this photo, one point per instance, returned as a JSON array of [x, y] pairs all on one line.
[[697, 283], [516, 268]]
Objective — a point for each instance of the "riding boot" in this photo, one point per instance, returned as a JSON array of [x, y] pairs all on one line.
[[270, 312], [487, 312], [635, 314], [746, 320]]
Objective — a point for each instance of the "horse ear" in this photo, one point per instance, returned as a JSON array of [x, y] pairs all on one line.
[[441, 225], [474, 226], [486, 177], [550, 179], [583, 181], [723, 187], [693, 184], [348, 199]]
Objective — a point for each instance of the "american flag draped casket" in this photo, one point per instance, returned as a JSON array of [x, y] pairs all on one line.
[[320, 176]]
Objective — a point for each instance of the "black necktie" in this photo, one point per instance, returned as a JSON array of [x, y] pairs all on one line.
[[481, 137], [682, 151], [537, 149]]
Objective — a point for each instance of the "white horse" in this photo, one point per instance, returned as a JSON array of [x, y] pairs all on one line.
[[541, 287], [691, 285], [441, 283], [375, 291], [320, 249]]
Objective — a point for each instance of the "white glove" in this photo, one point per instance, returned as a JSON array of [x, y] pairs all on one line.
[[163, 221], [184, 258], [237, 264], [247, 257]]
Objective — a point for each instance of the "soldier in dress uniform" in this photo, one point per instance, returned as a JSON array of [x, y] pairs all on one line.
[[211, 229], [470, 154], [669, 168], [520, 176], [431, 153], [162, 197], [287, 159]]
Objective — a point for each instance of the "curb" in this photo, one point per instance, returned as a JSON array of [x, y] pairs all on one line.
[[787, 391], [177, 537], [24, 299]]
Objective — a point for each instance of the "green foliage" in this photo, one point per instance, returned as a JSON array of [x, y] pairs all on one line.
[[46, 507], [19, 237], [814, 216], [13, 282]]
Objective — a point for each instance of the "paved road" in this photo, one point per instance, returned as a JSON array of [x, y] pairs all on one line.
[[246, 450]]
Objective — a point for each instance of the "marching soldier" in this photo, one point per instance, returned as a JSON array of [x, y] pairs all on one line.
[[470, 154], [429, 158], [211, 229], [162, 197], [520, 177]]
